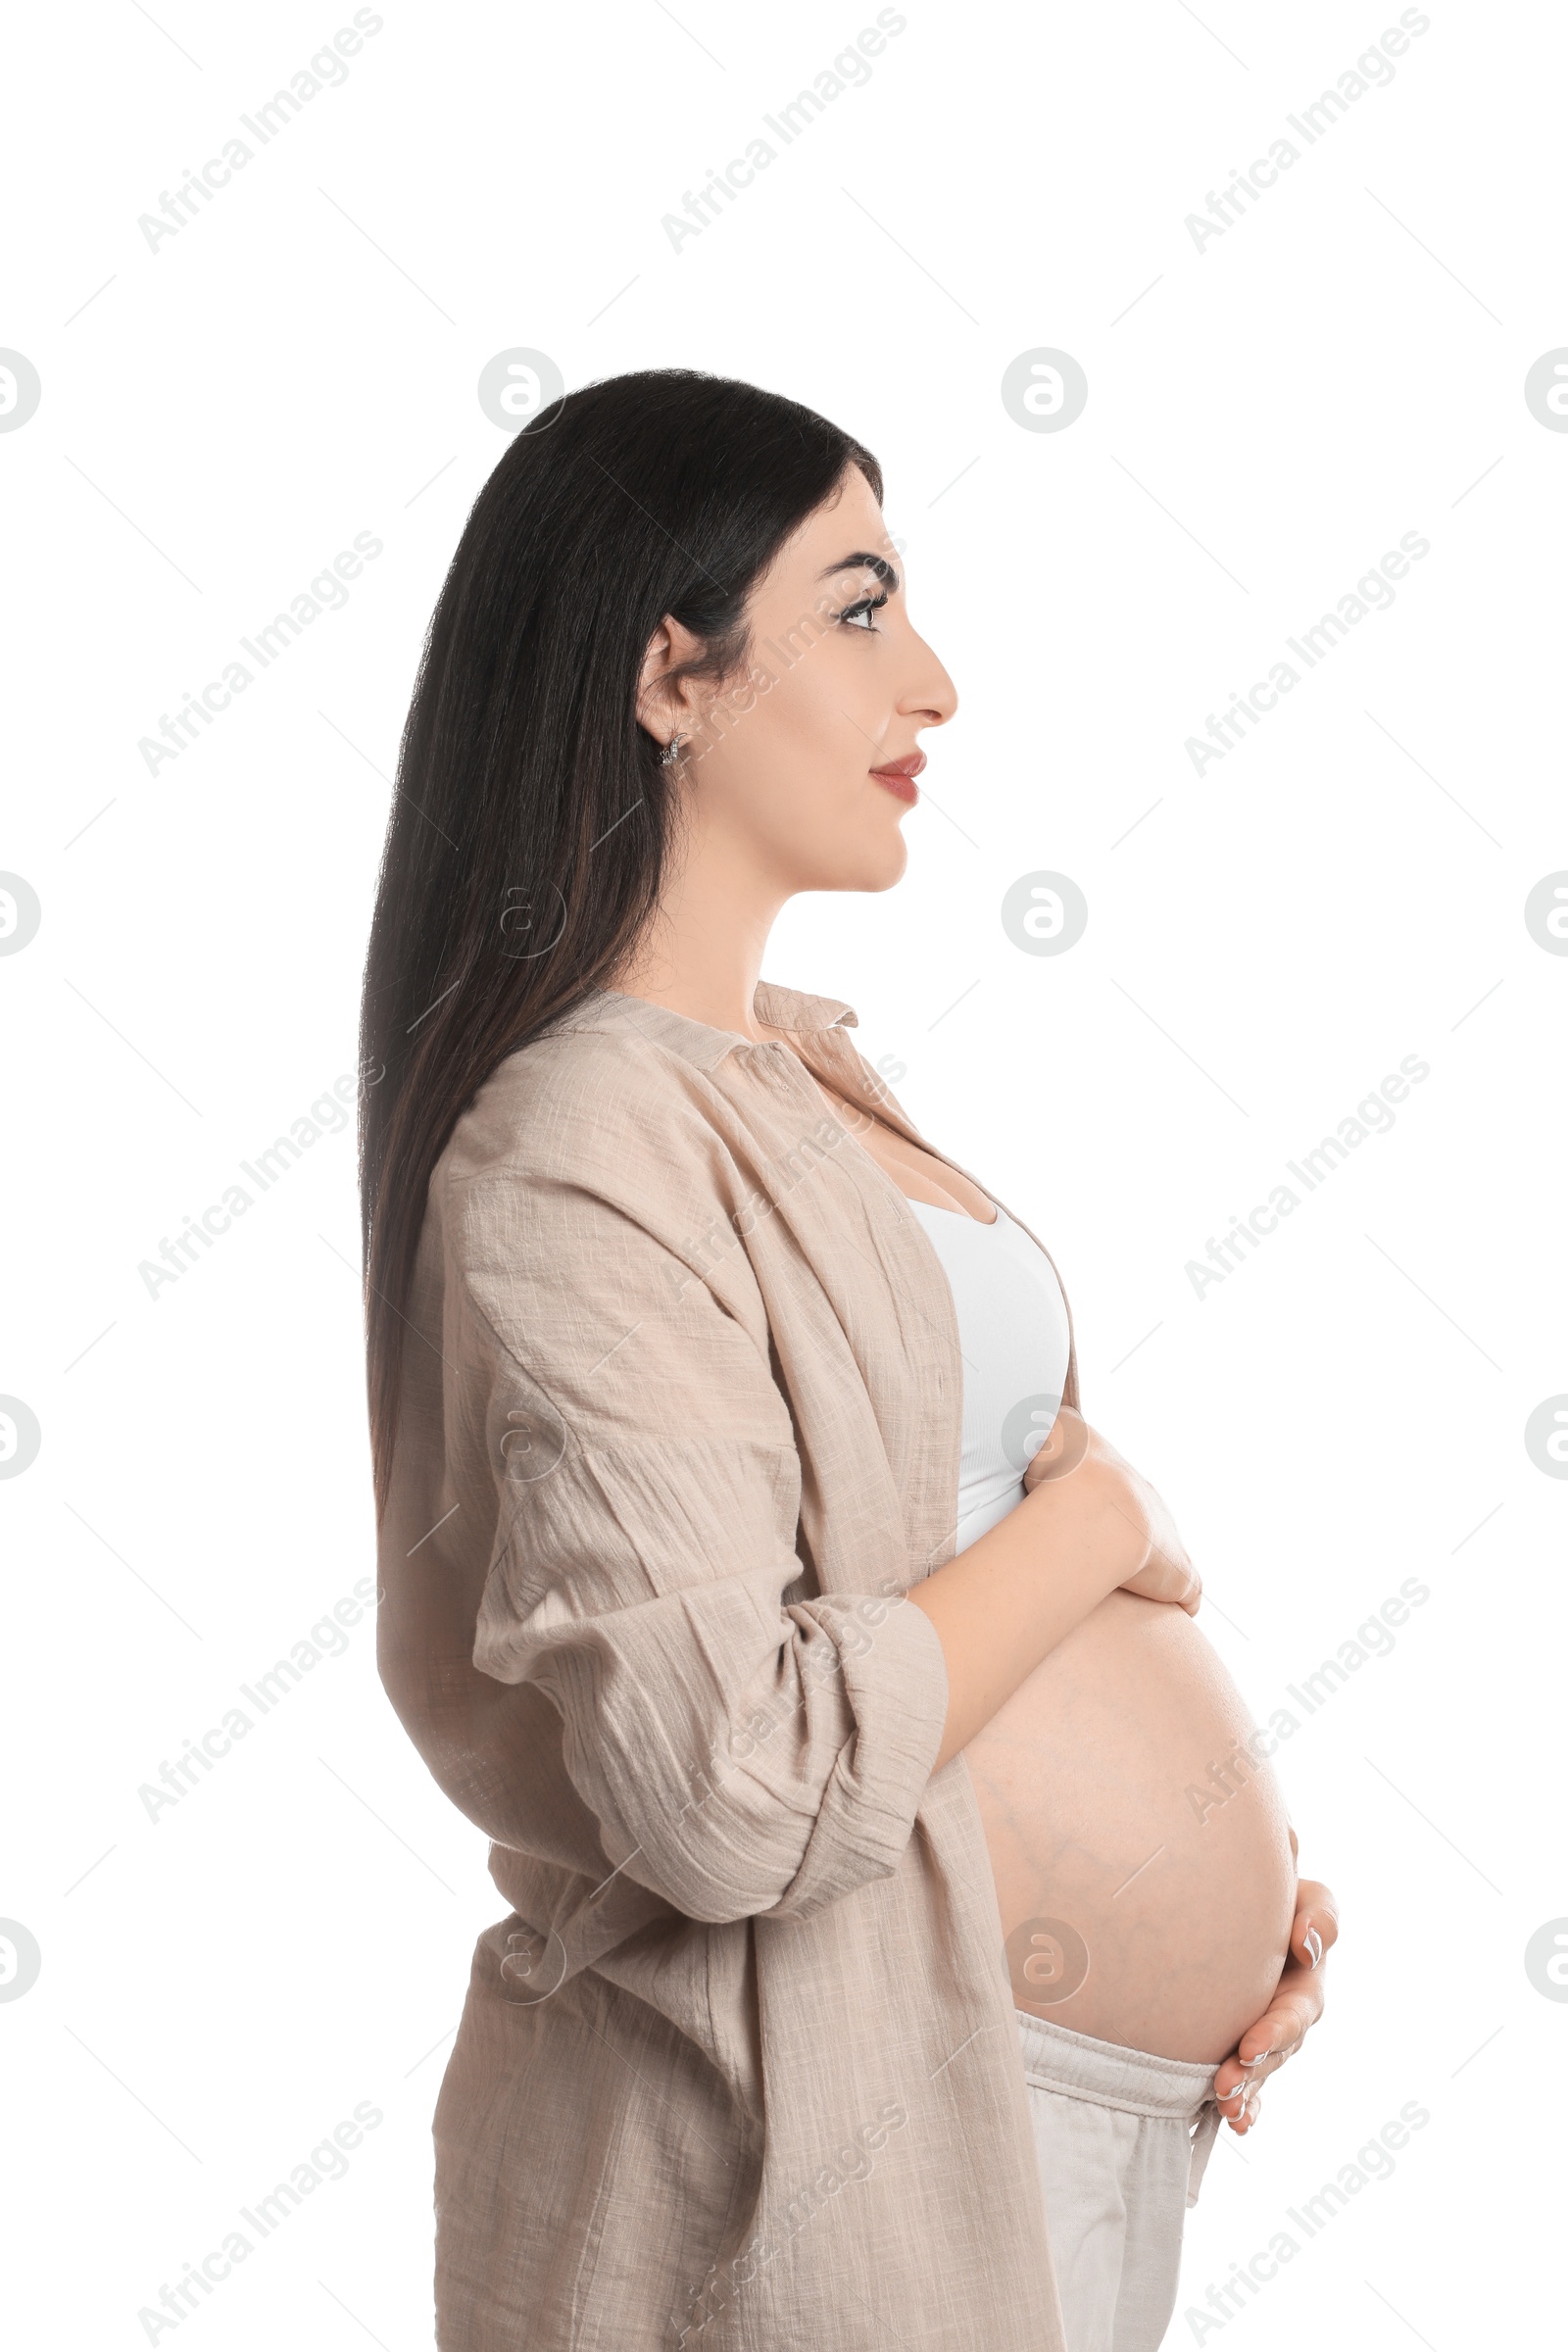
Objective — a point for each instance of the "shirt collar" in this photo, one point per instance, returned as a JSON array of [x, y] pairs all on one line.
[[704, 1047]]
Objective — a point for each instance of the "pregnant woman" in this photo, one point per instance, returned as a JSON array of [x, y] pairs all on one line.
[[828, 1686]]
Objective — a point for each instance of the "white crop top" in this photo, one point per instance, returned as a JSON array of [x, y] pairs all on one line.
[[1013, 1339]]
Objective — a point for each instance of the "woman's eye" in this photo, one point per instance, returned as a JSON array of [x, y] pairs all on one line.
[[863, 611]]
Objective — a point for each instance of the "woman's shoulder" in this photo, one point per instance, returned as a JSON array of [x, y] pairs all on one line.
[[594, 1096]]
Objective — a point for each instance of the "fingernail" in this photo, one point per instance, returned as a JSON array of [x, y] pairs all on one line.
[[1314, 1945], [1259, 2060]]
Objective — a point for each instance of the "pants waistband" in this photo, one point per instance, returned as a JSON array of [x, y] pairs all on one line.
[[1136, 2080]]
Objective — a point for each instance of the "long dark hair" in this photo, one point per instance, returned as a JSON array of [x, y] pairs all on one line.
[[531, 821]]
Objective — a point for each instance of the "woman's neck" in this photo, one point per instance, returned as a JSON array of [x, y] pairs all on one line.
[[702, 954]]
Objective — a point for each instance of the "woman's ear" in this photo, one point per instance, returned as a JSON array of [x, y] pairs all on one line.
[[666, 705]]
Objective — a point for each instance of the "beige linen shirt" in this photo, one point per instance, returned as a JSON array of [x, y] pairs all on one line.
[[680, 1426]]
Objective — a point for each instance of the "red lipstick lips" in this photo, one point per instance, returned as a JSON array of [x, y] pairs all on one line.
[[899, 775]]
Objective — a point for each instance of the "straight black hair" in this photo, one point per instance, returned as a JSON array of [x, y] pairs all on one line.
[[531, 821]]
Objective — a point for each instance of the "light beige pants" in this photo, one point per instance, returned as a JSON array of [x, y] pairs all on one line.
[[1122, 2139]]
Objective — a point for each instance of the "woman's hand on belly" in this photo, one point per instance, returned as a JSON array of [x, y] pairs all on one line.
[[1163, 1570], [1297, 2005], [1085, 1529]]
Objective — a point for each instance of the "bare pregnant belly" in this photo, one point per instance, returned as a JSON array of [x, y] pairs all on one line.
[[1128, 1916]]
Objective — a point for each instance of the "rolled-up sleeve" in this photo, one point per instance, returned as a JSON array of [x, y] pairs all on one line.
[[746, 1744]]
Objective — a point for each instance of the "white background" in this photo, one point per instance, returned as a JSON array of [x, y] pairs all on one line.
[[1266, 415]]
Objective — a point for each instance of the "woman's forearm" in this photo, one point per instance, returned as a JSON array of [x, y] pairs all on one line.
[[1003, 1603]]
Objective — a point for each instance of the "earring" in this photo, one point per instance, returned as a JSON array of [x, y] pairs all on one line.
[[670, 753]]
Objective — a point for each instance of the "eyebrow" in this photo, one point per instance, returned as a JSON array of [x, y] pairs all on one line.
[[878, 565]]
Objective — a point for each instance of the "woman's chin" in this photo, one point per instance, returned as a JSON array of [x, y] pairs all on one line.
[[879, 863], [871, 872]]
